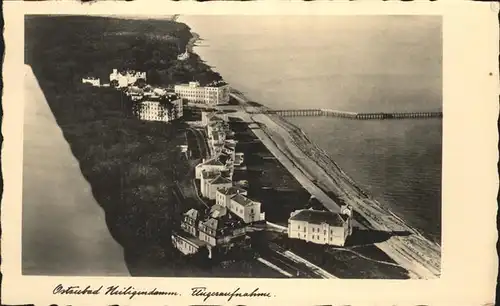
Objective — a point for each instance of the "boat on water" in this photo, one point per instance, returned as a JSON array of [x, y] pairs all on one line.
[[183, 56]]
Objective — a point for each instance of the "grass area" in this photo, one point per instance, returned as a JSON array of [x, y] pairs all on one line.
[[193, 144], [92, 45]]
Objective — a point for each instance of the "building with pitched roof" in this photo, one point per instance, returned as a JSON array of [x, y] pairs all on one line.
[[246, 209], [223, 195], [220, 230], [187, 241], [187, 244], [190, 220], [214, 184], [124, 79], [206, 177], [214, 93], [217, 229], [165, 108], [239, 159], [321, 227]]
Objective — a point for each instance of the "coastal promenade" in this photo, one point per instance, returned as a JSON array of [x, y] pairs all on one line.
[[64, 229], [315, 171]]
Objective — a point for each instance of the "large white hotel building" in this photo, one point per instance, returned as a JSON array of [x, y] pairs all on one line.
[[215, 93]]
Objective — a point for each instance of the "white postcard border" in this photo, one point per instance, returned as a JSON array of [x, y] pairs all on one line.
[[470, 179]]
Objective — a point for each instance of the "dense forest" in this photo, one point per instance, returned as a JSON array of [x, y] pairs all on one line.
[[131, 165]]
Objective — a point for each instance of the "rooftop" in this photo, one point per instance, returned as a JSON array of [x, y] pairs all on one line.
[[211, 223], [217, 211], [238, 159], [231, 190], [223, 158], [193, 213], [216, 84], [208, 175], [230, 144], [169, 97], [220, 180], [226, 173], [215, 136], [213, 162], [319, 217], [190, 238]]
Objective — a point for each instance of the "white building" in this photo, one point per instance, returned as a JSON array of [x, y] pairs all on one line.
[[224, 195], [164, 109], [321, 227], [218, 183], [210, 165], [127, 78], [216, 230], [92, 81], [216, 93], [246, 209]]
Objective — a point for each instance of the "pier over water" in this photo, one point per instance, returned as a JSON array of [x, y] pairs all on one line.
[[352, 115]]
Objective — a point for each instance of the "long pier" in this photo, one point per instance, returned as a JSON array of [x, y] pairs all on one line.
[[352, 115]]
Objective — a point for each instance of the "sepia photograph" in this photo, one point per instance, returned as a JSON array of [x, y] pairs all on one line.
[[233, 146], [248, 153]]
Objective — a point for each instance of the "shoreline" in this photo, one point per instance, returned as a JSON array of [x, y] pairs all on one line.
[[420, 256], [355, 185], [316, 171]]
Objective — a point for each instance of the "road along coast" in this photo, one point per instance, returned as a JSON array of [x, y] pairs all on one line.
[[313, 169]]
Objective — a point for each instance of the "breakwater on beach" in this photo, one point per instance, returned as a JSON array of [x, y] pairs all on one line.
[[397, 162], [352, 115], [414, 249]]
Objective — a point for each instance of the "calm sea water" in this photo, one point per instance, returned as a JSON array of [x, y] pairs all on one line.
[[363, 63]]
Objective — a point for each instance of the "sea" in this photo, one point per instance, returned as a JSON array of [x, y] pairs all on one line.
[[352, 63]]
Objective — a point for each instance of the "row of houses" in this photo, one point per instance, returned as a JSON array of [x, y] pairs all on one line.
[[224, 225]]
